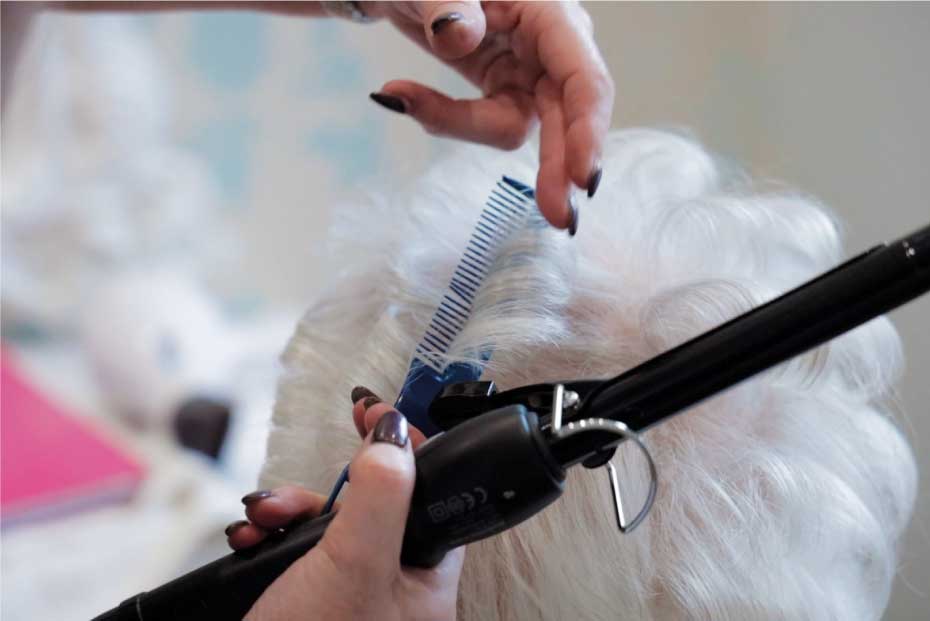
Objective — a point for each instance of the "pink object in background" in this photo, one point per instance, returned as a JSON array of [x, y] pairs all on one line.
[[51, 462]]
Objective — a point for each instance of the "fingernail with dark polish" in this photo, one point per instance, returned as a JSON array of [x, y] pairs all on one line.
[[370, 401], [360, 392], [390, 102], [441, 22], [256, 496], [392, 427], [573, 224], [594, 180], [235, 526]]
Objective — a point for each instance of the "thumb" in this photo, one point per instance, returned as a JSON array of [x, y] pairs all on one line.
[[367, 534], [453, 29]]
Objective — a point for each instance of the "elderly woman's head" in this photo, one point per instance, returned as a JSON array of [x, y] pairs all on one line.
[[782, 498]]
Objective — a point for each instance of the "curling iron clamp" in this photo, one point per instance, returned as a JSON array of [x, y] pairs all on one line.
[[502, 456]]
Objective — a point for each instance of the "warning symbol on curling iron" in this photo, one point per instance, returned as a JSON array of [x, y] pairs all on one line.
[[457, 505], [437, 512]]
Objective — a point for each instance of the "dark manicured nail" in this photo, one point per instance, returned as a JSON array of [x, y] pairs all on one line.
[[256, 496], [370, 401], [392, 427], [573, 223], [360, 392], [441, 22], [235, 526], [390, 102], [594, 180]]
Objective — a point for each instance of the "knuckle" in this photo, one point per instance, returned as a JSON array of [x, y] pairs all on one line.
[[346, 559], [430, 122], [385, 471], [513, 136], [510, 142], [603, 85], [288, 490], [551, 161], [433, 129]]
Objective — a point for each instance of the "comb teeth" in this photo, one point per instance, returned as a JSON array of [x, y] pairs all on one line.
[[504, 212]]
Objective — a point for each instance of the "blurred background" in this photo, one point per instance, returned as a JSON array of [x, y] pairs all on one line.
[[166, 185]]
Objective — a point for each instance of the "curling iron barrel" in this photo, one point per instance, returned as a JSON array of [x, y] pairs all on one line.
[[847, 296]]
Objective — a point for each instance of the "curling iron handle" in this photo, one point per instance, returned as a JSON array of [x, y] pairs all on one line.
[[227, 587], [476, 480]]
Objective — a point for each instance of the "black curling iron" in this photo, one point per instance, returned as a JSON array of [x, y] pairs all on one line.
[[503, 455]]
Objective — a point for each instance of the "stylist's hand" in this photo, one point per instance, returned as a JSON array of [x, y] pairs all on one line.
[[354, 572], [531, 60]]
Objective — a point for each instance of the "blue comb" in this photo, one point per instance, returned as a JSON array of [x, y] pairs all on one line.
[[508, 209], [505, 212]]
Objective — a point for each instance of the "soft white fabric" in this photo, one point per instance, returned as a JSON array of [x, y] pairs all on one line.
[[92, 181], [780, 499]]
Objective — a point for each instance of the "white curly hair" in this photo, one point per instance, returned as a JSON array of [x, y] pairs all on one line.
[[780, 499]]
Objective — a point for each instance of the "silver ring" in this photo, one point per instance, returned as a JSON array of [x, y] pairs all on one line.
[[347, 9]]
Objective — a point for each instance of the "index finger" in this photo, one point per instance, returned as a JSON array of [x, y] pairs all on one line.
[[564, 44]]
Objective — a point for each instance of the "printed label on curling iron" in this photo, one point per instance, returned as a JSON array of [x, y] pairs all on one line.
[[456, 505], [466, 516]]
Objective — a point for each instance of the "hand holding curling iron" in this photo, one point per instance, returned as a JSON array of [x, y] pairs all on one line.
[[354, 573]]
